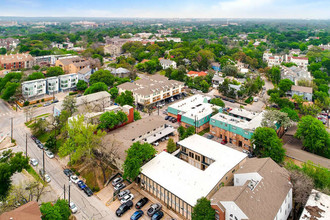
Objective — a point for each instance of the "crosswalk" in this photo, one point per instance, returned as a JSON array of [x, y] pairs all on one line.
[[6, 114]]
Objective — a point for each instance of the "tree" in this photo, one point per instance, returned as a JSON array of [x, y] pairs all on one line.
[[36, 67], [104, 76], [285, 85], [230, 70], [96, 87], [186, 132], [292, 114], [218, 102], [82, 85], [125, 98], [10, 90], [137, 155], [51, 144], [114, 92], [39, 127], [3, 51], [82, 139], [35, 75], [137, 115], [109, 120], [69, 104], [268, 144], [60, 210], [315, 137], [274, 74], [310, 109], [54, 71], [274, 119], [171, 147], [203, 210], [10, 163]]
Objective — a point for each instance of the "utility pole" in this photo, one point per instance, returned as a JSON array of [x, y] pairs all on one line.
[[64, 191], [11, 129], [25, 144], [43, 162], [69, 191]]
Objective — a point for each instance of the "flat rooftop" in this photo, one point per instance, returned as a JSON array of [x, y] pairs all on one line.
[[319, 200], [201, 111], [186, 181], [190, 103]]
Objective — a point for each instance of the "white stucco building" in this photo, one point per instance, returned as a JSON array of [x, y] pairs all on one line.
[[34, 88], [167, 63], [68, 81]]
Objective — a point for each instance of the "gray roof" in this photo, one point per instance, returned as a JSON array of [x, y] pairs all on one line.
[[166, 61], [302, 89]]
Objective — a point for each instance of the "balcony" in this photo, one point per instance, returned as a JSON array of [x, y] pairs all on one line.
[[175, 92]]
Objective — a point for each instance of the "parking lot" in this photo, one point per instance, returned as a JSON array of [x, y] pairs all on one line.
[[139, 194]]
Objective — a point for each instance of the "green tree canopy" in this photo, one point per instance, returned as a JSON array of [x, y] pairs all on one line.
[[35, 75], [274, 119], [137, 115], [70, 104], [137, 155], [10, 90], [125, 98], [104, 76], [274, 74], [171, 147], [292, 114], [96, 87], [268, 144], [315, 137], [60, 210], [218, 102], [203, 210], [109, 120], [285, 85], [114, 92], [54, 71], [82, 85]]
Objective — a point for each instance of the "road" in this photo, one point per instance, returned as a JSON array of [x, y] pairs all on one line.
[[89, 207]]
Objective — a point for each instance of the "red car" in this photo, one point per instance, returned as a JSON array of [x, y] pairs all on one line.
[[223, 141]]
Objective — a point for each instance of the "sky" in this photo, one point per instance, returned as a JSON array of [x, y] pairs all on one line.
[[311, 9]]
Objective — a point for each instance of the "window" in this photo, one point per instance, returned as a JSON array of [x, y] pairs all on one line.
[[234, 127], [197, 157], [191, 155]]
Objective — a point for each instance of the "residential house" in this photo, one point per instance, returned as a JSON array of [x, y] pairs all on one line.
[[68, 81], [167, 64], [275, 60], [155, 88], [306, 92], [261, 190], [301, 62], [119, 72], [201, 167], [317, 207], [9, 43], [145, 130], [217, 80], [29, 211], [295, 74], [34, 88], [195, 74], [242, 67], [236, 126], [193, 111], [16, 61], [95, 102], [75, 64], [85, 73]]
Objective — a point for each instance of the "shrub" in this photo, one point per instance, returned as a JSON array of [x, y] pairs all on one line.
[[38, 101], [42, 100], [249, 100], [26, 103]]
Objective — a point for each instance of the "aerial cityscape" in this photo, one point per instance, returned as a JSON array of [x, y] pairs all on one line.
[[176, 110]]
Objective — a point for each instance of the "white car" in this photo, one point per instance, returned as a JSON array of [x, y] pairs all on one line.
[[127, 198], [73, 207], [47, 178], [74, 179], [49, 154], [156, 144], [34, 162]]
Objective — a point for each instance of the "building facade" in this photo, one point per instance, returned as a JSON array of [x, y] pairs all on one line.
[[52, 85], [167, 64], [16, 61], [34, 88], [68, 81], [305, 92]]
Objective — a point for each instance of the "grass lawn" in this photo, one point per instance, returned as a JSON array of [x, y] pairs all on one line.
[[35, 175], [204, 131]]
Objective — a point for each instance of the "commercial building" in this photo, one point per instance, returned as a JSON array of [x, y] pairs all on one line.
[[34, 88], [199, 170], [68, 81], [262, 190], [145, 130], [306, 92], [16, 61], [194, 111], [95, 102], [167, 64], [317, 207], [236, 126], [155, 88]]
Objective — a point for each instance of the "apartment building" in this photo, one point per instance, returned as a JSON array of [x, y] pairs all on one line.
[[306, 92], [9, 43], [316, 201], [261, 190], [200, 168], [276, 60], [155, 88], [165, 63], [194, 111], [85, 74], [52, 85], [76, 64], [16, 61], [34, 88], [295, 74], [236, 126], [68, 81]]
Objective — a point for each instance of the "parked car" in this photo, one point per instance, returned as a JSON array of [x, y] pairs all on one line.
[[136, 215], [33, 137], [224, 141], [68, 172], [88, 191], [141, 203], [127, 198], [47, 104], [120, 186], [81, 184], [117, 180], [49, 154], [40, 145], [74, 179], [153, 209], [124, 208], [155, 143], [55, 101], [47, 178], [158, 215], [174, 120], [255, 99], [209, 136], [167, 117], [73, 207], [34, 162], [123, 193]]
